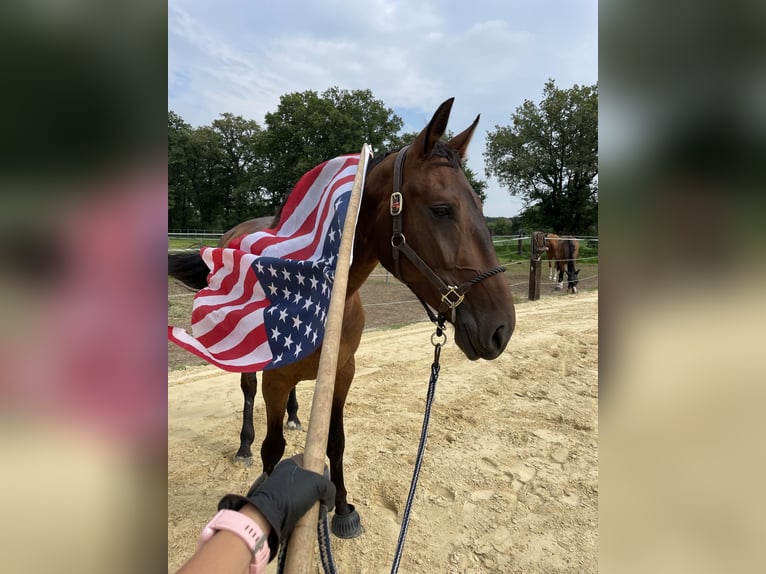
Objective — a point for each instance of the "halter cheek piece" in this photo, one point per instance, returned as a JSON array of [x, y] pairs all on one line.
[[451, 295]]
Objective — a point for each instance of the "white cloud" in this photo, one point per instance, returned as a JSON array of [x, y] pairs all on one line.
[[240, 57]]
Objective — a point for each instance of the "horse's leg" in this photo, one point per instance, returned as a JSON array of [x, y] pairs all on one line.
[[561, 275], [571, 276], [249, 384], [275, 389], [345, 523], [293, 422]]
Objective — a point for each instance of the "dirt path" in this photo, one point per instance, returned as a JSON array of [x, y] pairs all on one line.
[[509, 482]]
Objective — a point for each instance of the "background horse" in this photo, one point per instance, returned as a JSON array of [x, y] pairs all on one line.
[[421, 220], [569, 249], [551, 244], [562, 253]]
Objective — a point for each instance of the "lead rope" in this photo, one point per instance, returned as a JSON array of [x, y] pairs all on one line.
[[325, 549], [323, 529], [435, 367]]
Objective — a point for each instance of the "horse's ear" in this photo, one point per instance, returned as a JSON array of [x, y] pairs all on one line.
[[433, 132], [460, 142]]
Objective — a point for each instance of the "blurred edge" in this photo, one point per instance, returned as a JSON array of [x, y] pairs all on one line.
[[682, 143], [683, 136], [83, 184]]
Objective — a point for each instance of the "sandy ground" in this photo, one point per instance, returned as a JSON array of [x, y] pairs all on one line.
[[509, 482]]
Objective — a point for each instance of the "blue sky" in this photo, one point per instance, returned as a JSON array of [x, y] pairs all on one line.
[[240, 56]]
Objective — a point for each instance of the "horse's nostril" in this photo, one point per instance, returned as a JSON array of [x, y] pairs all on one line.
[[499, 339]]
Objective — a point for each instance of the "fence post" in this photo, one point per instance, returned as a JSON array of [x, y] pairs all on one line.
[[518, 246], [535, 266]]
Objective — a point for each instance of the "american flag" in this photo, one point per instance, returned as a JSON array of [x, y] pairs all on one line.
[[266, 302]]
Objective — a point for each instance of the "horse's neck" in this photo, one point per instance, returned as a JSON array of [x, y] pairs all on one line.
[[362, 266], [377, 193]]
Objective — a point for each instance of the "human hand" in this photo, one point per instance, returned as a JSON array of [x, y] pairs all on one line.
[[285, 496]]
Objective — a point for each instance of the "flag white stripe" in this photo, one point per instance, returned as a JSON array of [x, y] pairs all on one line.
[[261, 354]]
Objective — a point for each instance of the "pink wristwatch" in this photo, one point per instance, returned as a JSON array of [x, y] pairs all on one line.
[[246, 529]]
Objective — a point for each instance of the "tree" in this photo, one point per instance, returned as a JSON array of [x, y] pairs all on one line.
[[237, 181], [308, 129], [500, 225], [549, 157], [181, 210], [478, 185], [368, 120]]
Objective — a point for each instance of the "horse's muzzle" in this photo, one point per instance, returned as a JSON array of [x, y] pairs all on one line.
[[484, 337]]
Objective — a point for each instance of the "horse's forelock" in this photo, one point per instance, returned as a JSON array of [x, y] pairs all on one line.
[[443, 151]]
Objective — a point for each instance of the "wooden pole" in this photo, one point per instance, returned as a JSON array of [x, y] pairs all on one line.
[[300, 553]]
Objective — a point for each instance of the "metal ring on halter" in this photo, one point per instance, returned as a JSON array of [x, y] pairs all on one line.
[[435, 342], [394, 237]]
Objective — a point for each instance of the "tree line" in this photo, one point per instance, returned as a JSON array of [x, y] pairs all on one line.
[[235, 169]]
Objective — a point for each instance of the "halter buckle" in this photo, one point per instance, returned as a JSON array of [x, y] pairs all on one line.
[[396, 204], [447, 296]]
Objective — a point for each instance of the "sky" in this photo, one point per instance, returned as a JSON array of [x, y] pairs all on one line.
[[241, 56]]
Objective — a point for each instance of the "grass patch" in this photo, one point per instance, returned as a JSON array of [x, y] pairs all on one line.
[[175, 243]]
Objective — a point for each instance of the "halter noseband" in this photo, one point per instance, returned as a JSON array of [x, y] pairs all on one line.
[[451, 295]]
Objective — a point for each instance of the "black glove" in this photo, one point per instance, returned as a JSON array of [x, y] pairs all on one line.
[[284, 497]]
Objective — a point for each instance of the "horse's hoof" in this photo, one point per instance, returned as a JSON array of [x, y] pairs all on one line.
[[347, 525], [244, 460], [292, 425]]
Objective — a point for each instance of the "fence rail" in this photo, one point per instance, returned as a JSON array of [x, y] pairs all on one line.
[[193, 234]]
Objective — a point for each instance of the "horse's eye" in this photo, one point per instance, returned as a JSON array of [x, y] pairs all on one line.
[[441, 211]]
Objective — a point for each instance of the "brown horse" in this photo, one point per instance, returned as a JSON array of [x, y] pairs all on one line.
[[563, 252], [421, 220]]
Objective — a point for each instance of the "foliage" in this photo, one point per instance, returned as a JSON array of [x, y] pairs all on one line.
[[478, 185], [500, 226], [549, 157], [212, 172], [308, 128], [235, 169]]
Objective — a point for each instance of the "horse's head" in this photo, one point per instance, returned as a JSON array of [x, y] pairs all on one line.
[[569, 249], [573, 278], [430, 232]]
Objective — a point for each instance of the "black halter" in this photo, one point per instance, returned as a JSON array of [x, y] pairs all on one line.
[[451, 295]]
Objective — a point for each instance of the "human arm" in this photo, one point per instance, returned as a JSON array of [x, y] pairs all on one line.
[[275, 505], [226, 552]]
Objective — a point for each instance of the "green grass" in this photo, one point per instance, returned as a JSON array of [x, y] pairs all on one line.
[[509, 253], [181, 243]]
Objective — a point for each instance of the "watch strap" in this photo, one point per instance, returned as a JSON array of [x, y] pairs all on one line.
[[245, 528]]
